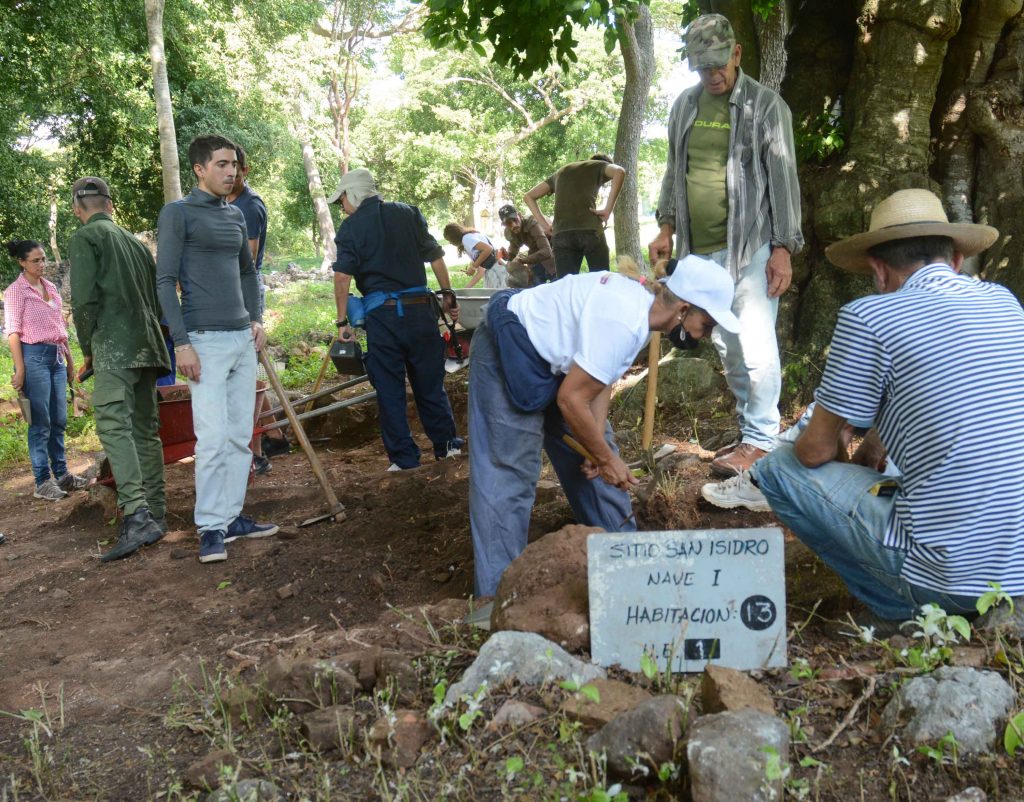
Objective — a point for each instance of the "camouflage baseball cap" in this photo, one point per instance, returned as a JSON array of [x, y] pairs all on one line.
[[709, 42]]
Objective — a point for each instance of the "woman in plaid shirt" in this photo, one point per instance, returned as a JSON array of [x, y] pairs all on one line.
[[42, 367]]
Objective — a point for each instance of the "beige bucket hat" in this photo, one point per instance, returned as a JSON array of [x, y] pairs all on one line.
[[905, 214]]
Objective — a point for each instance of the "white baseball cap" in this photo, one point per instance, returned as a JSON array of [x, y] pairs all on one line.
[[704, 283]]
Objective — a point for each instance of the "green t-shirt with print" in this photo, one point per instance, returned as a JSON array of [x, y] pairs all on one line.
[[707, 153]]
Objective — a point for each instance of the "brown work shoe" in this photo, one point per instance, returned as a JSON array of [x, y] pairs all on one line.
[[725, 451], [738, 461]]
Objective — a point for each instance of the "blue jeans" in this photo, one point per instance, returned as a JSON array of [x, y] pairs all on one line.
[[831, 509], [408, 345], [46, 385], [751, 358], [505, 463], [223, 403]]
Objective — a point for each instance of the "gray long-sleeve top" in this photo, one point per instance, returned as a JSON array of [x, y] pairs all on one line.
[[202, 245], [761, 178]]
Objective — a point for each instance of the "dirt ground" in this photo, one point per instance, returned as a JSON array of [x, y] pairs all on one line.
[[105, 654]]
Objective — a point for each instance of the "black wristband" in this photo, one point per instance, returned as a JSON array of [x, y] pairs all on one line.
[[342, 322]]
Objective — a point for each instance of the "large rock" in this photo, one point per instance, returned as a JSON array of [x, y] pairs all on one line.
[[969, 703], [330, 728], [544, 590], [681, 379], [524, 657], [206, 773], [398, 738], [647, 735], [304, 683], [723, 689], [728, 754], [614, 698]]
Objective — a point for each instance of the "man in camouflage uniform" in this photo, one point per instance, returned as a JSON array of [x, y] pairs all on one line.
[[730, 194]]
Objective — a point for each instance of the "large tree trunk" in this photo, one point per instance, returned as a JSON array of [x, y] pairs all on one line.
[[996, 115], [636, 41], [162, 97], [316, 191], [970, 58]]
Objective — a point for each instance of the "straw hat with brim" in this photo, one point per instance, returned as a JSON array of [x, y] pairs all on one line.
[[905, 214]]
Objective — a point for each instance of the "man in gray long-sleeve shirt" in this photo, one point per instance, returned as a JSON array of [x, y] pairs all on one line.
[[202, 246], [730, 193]]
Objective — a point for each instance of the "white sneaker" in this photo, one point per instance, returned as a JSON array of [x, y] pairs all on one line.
[[737, 491]]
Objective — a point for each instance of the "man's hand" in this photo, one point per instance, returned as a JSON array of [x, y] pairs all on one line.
[[779, 271], [451, 306], [188, 363], [616, 473], [18, 379], [660, 247], [604, 214], [871, 453], [346, 334], [86, 364], [259, 336]]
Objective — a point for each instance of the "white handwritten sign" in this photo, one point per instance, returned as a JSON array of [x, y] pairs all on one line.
[[688, 598]]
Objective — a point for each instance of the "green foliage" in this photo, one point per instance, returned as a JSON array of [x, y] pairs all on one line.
[[1013, 737], [763, 8], [946, 751], [933, 639], [819, 137], [992, 598], [525, 42]]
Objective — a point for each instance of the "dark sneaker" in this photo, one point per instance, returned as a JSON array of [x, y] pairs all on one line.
[[137, 530], [49, 491], [453, 448], [211, 546], [261, 465], [248, 528], [275, 446], [69, 482]]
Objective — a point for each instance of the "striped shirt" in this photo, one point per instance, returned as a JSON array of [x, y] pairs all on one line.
[[938, 369], [760, 180], [33, 319]]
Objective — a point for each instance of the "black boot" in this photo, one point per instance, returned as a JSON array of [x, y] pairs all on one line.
[[137, 530]]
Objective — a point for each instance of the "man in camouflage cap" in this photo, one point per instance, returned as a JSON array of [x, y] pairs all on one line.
[[730, 194]]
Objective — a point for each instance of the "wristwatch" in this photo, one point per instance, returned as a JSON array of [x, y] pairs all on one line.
[[342, 322]]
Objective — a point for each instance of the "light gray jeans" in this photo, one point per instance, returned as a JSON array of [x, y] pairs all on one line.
[[751, 358], [223, 402]]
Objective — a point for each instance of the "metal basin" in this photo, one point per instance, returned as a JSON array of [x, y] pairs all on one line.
[[471, 305]]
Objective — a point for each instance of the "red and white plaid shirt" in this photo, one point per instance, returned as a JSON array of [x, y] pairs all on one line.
[[35, 320]]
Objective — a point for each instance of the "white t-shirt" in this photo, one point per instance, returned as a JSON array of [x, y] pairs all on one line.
[[597, 320], [470, 241]]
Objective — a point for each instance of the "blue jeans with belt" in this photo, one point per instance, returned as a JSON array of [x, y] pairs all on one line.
[[409, 345], [46, 386]]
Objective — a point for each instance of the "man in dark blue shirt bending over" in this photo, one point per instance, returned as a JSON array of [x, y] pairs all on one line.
[[383, 245]]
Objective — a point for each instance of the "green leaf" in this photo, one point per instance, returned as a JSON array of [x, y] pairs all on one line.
[[225, 584], [648, 665], [960, 624], [591, 693], [513, 766], [479, 48], [1013, 738]]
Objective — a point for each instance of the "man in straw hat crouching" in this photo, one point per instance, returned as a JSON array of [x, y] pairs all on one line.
[[933, 366]]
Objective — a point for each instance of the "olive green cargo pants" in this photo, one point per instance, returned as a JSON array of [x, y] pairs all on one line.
[[127, 421]]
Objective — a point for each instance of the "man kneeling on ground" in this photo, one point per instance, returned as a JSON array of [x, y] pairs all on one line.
[[934, 364]]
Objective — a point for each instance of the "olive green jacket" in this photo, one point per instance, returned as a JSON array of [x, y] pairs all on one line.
[[113, 298]]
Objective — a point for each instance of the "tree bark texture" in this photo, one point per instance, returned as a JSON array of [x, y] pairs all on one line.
[[162, 97], [316, 191], [636, 42]]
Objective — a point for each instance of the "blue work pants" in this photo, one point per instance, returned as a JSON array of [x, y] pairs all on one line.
[[408, 345], [505, 463]]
